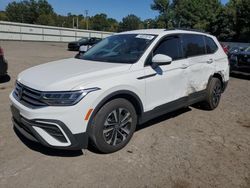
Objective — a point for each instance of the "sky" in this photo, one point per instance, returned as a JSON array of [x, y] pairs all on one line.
[[113, 8]]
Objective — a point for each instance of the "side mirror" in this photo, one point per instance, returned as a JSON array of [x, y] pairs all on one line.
[[161, 59]]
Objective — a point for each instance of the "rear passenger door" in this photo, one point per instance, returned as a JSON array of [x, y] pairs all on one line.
[[201, 64]]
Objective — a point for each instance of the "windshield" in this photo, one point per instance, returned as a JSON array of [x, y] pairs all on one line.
[[83, 39], [125, 48]]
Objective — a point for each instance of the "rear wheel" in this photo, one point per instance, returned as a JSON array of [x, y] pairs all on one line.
[[113, 126], [213, 94]]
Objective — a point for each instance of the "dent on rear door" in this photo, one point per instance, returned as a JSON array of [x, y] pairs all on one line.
[[199, 72]]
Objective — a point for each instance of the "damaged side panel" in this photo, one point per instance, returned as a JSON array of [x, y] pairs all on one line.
[[199, 72]]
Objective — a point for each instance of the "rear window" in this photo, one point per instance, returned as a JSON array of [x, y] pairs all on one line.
[[193, 45], [210, 45]]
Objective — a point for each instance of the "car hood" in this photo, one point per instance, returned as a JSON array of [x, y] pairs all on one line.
[[67, 74]]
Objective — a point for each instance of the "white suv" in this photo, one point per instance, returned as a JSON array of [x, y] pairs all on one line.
[[123, 81]]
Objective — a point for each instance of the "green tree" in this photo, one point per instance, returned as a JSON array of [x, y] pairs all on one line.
[[99, 22], [15, 12], [223, 26], [164, 8], [130, 22], [243, 15], [233, 22], [43, 7], [30, 11], [113, 25], [3, 16], [239, 12], [149, 24], [46, 19], [197, 14]]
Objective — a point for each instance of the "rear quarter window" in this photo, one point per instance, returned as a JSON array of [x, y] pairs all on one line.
[[211, 46]]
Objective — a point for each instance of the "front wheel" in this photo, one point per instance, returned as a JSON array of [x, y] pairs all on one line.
[[113, 125]]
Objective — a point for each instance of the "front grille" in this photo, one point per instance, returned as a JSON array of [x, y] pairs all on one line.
[[27, 96]]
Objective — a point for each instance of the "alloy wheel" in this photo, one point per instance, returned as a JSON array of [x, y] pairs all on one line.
[[216, 94], [117, 126]]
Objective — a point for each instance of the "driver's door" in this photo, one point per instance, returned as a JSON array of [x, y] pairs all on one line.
[[167, 84]]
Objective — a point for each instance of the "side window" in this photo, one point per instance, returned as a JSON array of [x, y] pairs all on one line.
[[210, 45], [193, 45], [170, 46]]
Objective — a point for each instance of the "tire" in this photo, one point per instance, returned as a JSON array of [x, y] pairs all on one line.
[[213, 95], [113, 126], [3, 68]]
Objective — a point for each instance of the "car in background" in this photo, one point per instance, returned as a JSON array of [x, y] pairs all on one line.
[[3, 64], [85, 41], [235, 49], [240, 61]]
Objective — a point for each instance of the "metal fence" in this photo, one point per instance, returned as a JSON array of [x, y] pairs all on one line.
[[30, 32]]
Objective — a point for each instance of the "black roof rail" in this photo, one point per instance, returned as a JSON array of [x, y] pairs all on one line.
[[187, 29]]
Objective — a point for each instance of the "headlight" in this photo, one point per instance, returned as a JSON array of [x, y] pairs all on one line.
[[67, 98]]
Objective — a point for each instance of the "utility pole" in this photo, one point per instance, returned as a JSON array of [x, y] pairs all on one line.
[[22, 18], [87, 19], [77, 24]]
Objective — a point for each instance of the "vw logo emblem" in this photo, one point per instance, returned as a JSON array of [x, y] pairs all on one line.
[[20, 93]]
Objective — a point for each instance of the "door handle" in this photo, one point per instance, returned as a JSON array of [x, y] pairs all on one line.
[[210, 61], [184, 66]]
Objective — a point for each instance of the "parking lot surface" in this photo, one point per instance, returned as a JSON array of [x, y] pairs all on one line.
[[184, 149]]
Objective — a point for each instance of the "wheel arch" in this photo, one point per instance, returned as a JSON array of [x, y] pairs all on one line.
[[125, 94], [220, 76]]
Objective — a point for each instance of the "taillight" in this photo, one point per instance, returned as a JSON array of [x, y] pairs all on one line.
[[225, 50], [1, 51]]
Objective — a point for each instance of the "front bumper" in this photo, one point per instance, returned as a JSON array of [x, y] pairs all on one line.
[[55, 127], [64, 139]]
